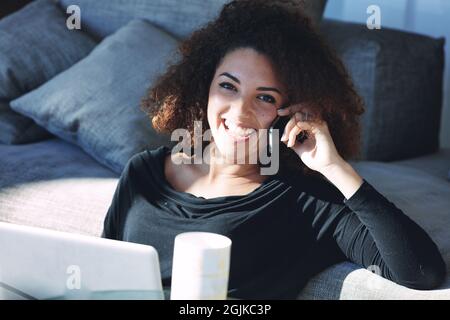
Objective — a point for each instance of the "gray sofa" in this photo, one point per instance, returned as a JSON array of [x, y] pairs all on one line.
[[57, 185]]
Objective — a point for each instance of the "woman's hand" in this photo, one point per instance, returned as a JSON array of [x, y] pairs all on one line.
[[318, 151]]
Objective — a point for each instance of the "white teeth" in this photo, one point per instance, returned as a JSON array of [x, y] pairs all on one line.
[[237, 130]]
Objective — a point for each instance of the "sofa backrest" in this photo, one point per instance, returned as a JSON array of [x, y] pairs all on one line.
[[399, 75], [10, 6], [177, 17]]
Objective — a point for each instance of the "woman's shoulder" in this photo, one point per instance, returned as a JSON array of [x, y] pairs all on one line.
[[160, 162], [149, 155], [146, 161]]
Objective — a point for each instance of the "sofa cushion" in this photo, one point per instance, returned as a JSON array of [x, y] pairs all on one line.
[[436, 164], [399, 75], [53, 184], [95, 103], [180, 18], [35, 45]]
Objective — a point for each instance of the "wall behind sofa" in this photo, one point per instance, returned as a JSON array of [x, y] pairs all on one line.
[[428, 17]]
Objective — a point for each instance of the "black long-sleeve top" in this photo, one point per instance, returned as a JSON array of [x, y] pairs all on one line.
[[282, 233]]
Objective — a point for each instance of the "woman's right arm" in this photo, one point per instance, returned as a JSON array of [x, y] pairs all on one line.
[[113, 223]]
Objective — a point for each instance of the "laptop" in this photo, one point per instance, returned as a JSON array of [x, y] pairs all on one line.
[[38, 263]]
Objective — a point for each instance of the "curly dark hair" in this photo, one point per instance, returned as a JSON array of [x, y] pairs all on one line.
[[309, 69]]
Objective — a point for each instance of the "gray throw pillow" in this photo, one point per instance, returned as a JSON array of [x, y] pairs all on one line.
[[35, 45], [399, 76], [180, 18], [17, 129], [96, 103]]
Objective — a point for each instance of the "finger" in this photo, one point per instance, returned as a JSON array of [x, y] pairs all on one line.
[[299, 127], [290, 110], [298, 116], [293, 135], [287, 129], [304, 125], [283, 112], [309, 115], [304, 116]]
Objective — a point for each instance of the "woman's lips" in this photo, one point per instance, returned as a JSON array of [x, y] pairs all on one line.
[[235, 137]]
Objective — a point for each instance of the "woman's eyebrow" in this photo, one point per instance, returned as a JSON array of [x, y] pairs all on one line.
[[226, 74], [269, 89]]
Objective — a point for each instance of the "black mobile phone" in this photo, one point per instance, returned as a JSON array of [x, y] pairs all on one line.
[[280, 123]]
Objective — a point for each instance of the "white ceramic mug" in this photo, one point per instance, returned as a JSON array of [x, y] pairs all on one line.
[[200, 268]]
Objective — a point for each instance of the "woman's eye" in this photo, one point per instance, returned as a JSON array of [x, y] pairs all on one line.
[[227, 86], [268, 99]]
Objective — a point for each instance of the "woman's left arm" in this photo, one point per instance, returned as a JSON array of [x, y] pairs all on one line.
[[379, 235], [371, 230]]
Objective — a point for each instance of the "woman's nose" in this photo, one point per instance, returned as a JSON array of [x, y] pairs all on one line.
[[242, 108]]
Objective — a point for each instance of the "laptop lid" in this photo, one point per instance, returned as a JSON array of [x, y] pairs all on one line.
[[38, 263]]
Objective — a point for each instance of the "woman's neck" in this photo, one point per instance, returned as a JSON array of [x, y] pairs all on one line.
[[217, 169]]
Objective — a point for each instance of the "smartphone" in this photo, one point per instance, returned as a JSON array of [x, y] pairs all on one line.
[[280, 123]]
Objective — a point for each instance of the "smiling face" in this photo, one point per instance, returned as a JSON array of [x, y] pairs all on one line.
[[244, 97]]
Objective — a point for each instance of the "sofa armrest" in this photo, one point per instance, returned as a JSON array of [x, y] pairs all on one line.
[[348, 281]]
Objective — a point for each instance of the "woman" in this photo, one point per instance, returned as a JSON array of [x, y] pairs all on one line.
[[234, 75]]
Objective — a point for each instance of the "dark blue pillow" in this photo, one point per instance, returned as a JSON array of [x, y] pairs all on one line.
[[96, 103], [35, 45], [17, 129], [399, 75]]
